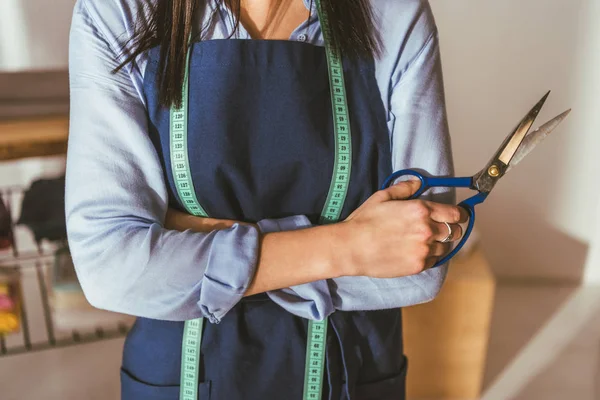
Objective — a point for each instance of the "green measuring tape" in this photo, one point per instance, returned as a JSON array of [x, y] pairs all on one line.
[[341, 123], [317, 330], [180, 165]]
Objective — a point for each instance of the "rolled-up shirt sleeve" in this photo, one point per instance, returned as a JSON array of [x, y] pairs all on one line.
[[116, 202]]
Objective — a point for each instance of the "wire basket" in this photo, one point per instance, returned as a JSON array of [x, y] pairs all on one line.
[[31, 263]]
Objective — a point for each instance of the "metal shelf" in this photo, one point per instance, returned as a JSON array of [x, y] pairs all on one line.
[[32, 262]]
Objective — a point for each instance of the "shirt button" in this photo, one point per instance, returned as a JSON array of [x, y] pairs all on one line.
[[302, 37]]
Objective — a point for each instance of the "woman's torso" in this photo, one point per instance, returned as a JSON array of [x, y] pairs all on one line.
[[261, 146]]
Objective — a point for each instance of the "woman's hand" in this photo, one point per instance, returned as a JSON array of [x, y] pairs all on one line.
[[388, 238], [180, 221]]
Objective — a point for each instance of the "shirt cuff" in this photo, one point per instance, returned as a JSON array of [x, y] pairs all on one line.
[[363, 293], [231, 266], [311, 300]]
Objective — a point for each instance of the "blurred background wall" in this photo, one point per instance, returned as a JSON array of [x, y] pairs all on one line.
[[33, 34], [499, 58]]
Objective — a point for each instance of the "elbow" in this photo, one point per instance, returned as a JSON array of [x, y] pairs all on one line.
[[96, 275], [101, 296], [107, 263]]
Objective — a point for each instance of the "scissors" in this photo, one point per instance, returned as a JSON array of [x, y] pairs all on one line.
[[514, 148]]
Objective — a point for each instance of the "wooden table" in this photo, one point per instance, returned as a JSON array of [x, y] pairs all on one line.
[[33, 137]]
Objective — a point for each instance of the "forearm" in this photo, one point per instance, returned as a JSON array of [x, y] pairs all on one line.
[[308, 254]]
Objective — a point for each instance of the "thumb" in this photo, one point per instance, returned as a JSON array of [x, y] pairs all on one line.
[[400, 191], [403, 190]]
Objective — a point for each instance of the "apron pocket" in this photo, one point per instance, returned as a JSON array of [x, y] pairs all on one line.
[[133, 389], [391, 388]]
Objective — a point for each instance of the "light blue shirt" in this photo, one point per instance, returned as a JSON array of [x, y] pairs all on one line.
[[116, 194]]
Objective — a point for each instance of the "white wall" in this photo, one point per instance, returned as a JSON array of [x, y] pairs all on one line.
[[34, 33], [499, 58], [590, 87]]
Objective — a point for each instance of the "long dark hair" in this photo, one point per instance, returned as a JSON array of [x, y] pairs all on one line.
[[169, 24]]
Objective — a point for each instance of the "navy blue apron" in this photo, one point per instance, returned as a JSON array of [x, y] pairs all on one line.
[[261, 145]]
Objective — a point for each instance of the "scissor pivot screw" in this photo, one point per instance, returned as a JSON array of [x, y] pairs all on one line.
[[494, 171]]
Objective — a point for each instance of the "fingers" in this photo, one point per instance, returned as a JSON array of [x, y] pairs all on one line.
[[447, 213], [402, 190], [438, 249], [441, 232], [438, 211], [430, 262]]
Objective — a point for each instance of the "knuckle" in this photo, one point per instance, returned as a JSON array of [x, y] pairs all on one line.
[[455, 214], [420, 209], [382, 195], [378, 196], [425, 231]]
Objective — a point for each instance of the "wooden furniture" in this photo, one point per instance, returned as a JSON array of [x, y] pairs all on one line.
[[34, 108], [32, 94], [33, 137], [446, 340]]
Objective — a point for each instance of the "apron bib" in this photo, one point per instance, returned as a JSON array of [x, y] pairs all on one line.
[[261, 144]]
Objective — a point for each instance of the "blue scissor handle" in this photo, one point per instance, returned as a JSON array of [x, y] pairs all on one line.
[[427, 183]]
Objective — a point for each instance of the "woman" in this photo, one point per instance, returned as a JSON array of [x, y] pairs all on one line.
[[200, 178]]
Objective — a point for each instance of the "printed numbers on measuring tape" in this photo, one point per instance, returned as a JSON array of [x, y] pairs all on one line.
[[190, 359], [180, 163], [343, 143], [315, 357]]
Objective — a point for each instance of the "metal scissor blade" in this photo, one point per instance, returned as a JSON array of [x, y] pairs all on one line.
[[513, 142], [535, 138], [485, 180]]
